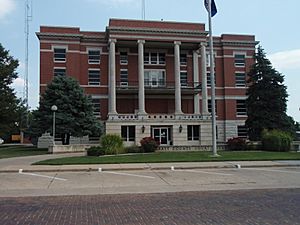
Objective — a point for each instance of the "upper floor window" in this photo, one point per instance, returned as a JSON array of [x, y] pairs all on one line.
[[239, 60], [183, 59], [193, 132], [154, 78], [240, 79], [59, 72], [123, 77], [94, 77], [183, 78], [94, 56], [208, 77], [241, 109], [123, 58], [59, 54], [209, 106], [154, 58], [208, 59]]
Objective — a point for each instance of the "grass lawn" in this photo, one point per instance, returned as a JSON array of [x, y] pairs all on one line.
[[17, 151], [174, 157]]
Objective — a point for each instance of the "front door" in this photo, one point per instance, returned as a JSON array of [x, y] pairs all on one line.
[[161, 135]]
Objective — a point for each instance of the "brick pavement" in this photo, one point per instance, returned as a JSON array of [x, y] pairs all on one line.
[[268, 207]]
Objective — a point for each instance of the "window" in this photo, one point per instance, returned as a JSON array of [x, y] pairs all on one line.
[[183, 59], [94, 77], [59, 72], [128, 133], [193, 132], [241, 109], [123, 58], [96, 105], [208, 59], [94, 56], [239, 60], [209, 80], [183, 78], [59, 54], [209, 106], [154, 58], [240, 79], [242, 131], [154, 78], [124, 77]]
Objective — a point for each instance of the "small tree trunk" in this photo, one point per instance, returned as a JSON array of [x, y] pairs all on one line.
[[68, 139]]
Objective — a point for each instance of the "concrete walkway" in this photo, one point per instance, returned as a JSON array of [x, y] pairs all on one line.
[[24, 163]]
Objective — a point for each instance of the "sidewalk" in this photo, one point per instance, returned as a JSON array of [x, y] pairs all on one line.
[[12, 165]]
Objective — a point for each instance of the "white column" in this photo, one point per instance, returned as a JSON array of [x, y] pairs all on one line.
[[204, 79], [141, 77], [196, 81], [112, 77], [177, 77]]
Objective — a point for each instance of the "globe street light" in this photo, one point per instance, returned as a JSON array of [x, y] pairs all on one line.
[[54, 109]]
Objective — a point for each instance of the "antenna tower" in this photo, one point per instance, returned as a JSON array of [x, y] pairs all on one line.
[[28, 18]]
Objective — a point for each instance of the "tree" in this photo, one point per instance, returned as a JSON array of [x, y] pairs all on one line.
[[266, 98], [10, 104], [74, 115]]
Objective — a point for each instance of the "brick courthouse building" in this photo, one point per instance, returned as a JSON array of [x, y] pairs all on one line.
[[151, 78]]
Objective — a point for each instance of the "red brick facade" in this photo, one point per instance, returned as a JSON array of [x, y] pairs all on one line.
[[159, 37]]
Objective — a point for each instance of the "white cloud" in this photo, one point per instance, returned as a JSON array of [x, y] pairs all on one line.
[[6, 7], [286, 59], [19, 82]]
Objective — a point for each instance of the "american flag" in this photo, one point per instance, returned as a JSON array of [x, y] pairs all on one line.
[[213, 7]]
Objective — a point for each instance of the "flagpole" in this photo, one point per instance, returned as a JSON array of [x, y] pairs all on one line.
[[212, 81]]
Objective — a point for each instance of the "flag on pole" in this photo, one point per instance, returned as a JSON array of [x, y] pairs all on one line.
[[213, 7]]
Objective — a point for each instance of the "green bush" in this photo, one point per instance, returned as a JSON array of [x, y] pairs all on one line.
[[133, 149], [148, 144], [95, 151], [236, 143], [276, 140], [112, 143]]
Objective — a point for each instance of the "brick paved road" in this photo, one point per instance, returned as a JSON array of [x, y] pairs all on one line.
[[268, 207]]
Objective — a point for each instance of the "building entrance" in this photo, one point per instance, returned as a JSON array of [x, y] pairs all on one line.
[[162, 135]]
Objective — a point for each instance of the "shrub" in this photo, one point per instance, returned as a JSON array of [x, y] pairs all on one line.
[[236, 143], [112, 143], [95, 151], [148, 144], [276, 140], [133, 149]]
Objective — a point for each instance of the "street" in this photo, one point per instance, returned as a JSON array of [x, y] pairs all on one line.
[[272, 206]]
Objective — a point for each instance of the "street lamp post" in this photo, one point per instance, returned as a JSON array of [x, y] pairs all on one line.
[[54, 109]]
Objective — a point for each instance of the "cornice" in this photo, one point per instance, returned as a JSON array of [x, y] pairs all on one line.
[[63, 36], [156, 31]]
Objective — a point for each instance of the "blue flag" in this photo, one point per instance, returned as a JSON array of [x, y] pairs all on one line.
[[213, 7]]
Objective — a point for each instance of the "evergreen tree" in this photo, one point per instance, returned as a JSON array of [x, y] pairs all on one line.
[[267, 98], [74, 115], [9, 103]]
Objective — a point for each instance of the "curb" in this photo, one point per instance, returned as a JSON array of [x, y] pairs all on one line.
[[237, 166]]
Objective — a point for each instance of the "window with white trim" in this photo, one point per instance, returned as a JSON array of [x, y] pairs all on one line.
[[208, 59], [240, 79], [209, 107], [94, 77], [242, 131], [239, 60], [96, 106], [128, 133], [154, 58], [94, 56], [183, 59], [241, 109], [123, 77], [183, 78], [59, 72], [208, 79], [123, 58], [154, 78], [193, 133], [59, 54]]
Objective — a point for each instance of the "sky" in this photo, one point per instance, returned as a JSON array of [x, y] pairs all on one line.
[[275, 23]]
